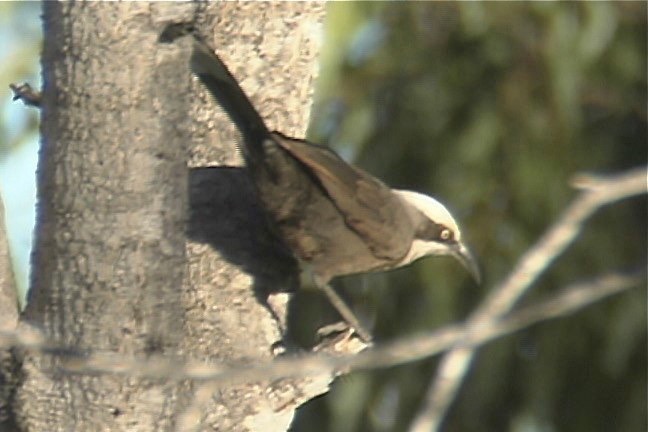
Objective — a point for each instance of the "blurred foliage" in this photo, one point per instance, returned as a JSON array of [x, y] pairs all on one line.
[[493, 107]]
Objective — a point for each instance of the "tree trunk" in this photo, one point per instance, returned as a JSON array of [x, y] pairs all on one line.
[[137, 255], [8, 323]]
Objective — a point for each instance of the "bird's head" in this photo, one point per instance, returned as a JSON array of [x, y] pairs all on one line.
[[436, 233]]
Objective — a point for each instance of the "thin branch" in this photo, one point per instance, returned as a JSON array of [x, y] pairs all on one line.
[[9, 311], [490, 321], [597, 191], [391, 354]]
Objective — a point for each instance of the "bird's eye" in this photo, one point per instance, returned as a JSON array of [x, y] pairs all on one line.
[[445, 234]]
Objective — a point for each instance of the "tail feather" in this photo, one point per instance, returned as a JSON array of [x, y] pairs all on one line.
[[218, 80]]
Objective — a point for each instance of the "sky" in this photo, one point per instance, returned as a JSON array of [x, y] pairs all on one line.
[[20, 35]]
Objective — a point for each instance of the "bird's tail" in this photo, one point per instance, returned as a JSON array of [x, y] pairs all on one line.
[[213, 73]]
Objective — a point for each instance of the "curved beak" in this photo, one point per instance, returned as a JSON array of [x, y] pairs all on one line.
[[466, 258]]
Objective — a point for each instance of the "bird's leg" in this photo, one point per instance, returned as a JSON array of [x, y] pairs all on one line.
[[345, 311], [308, 278]]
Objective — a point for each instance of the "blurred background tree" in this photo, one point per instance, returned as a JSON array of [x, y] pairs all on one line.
[[491, 107], [20, 38]]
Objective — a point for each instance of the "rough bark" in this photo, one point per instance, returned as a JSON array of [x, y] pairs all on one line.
[[113, 269], [8, 322], [271, 48], [109, 251]]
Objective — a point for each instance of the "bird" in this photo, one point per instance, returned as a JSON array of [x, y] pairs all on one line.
[[336, 218]]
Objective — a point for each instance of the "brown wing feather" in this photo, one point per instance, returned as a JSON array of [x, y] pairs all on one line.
[[369, 207]]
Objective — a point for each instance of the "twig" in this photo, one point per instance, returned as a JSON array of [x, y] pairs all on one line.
[[596, 193], [27, 94], [490, 321], [391, 354]]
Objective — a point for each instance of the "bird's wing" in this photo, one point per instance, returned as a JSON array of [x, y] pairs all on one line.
[[369, 207]]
